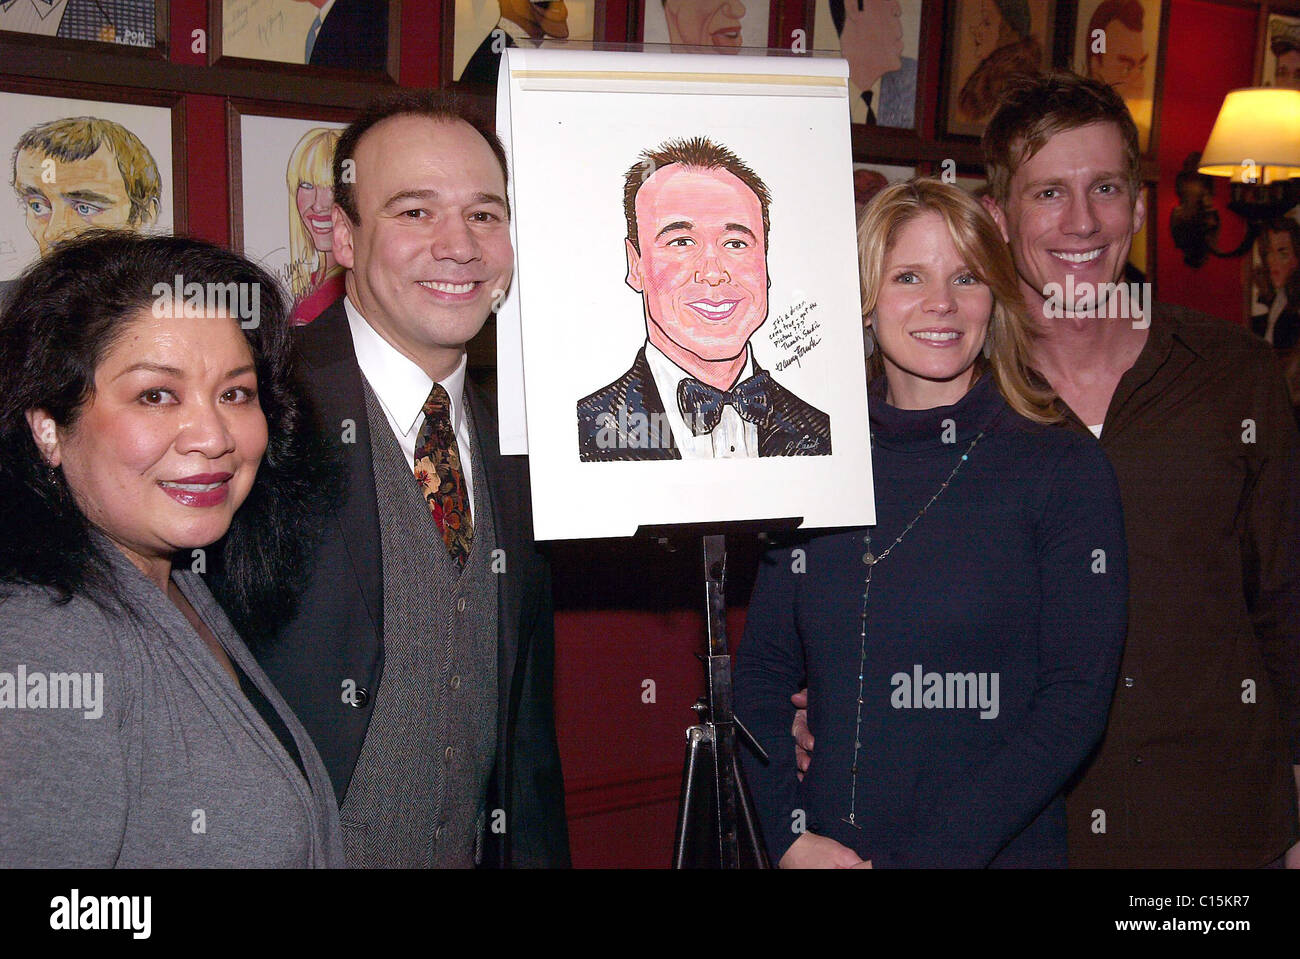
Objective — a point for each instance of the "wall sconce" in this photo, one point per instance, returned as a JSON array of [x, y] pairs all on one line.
[[1256, 144]]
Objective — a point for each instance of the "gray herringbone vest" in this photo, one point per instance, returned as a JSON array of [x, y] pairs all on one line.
[[417, 795]]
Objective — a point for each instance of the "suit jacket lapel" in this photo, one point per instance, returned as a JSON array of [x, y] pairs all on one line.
[[500, 488], [326, 348], [643, 396]]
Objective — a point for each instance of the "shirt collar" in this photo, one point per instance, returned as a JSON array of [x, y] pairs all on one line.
[[399, 384], [668, 374]]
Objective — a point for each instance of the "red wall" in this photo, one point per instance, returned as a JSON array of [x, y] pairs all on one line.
[[1210, 50]]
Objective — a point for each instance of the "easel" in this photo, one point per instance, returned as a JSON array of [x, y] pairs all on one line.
[[717, 827]]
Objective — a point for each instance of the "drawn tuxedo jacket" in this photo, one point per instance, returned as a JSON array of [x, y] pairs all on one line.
[[792, 427]]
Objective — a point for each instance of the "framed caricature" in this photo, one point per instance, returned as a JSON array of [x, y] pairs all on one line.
[[360, 36], [883, 52], [281, 192], [86, 158], [1281, 50], [481, 29], [1121, 43], [1273, 263], [705, 26], [987, 42], [137, 24], [714, 209], [870, 178]]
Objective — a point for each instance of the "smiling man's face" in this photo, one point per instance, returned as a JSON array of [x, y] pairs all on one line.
[[702, 265], [1070, 209], [431, 253]]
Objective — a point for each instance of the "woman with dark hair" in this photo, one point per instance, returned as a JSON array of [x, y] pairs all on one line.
[[959, 655], [1278, 247], [146, 414]]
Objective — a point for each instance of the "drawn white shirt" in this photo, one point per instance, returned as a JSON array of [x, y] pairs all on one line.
[[732, 438], [402, 387]]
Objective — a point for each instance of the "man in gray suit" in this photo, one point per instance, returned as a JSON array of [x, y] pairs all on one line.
[[421, 656]]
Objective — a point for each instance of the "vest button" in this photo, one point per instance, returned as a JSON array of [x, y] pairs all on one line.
[[361, 697], [455, 682], [447, 753], [460, 605]]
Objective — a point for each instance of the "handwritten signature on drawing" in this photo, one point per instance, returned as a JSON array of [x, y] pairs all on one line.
[[794, 333]]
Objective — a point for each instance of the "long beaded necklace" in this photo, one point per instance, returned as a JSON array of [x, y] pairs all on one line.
[[872, 561]]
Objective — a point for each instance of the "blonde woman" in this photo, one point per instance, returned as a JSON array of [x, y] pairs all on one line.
[[959, 655], [315, 278]]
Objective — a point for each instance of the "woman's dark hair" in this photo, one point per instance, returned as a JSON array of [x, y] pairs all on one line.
[[63, 315]]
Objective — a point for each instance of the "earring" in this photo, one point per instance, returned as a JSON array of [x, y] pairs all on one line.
[[868, 341], [988, 347]]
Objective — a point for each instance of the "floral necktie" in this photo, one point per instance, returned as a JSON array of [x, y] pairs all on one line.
[[437, 469]]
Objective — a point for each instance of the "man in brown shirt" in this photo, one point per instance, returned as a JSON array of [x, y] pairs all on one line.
[[1201, 757]]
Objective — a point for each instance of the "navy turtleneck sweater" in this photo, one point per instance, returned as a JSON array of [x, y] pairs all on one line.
[[994, 632]]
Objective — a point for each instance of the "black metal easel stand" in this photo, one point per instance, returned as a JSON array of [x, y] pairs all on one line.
[[716, 824]]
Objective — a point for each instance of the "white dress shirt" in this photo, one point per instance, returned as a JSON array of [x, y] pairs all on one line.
[[733, 437], [1274, 311], [402, 387]]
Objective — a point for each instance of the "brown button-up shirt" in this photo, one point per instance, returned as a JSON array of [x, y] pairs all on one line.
[[1195, 766]]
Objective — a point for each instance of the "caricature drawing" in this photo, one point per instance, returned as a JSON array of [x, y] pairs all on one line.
[[696, 246], [315, 277]]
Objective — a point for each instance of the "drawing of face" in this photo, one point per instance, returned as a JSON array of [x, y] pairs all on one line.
[[70, 197], [431, 253], [314, 202], [1070, 210], [1123, 65], [872, 40], [1287, 74], [167, 448], [1279, 258], [541, 20], [705, 23], [931, 315], [985, 26], [702, 266]]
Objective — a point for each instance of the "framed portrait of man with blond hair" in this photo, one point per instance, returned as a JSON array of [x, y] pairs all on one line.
[[77, 164]]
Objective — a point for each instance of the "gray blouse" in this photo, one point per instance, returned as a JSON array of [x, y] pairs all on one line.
[[123, 742]]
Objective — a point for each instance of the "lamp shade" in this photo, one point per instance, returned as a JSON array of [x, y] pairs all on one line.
[[1256, 137]]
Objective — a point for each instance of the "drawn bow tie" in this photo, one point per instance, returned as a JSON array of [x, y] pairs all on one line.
[[701, 404]]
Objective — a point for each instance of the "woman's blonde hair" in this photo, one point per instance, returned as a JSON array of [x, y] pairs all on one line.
[[312, 161], [978, 241]]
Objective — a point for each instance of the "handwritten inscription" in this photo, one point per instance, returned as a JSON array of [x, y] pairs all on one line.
[[794, 332], [269, 31]]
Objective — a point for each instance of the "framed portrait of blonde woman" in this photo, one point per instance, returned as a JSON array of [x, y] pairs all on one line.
[[281, 193]]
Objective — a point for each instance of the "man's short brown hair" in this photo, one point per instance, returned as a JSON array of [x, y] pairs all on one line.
[[700, 153], [76, 138], [1033, 109], [444, 107]]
